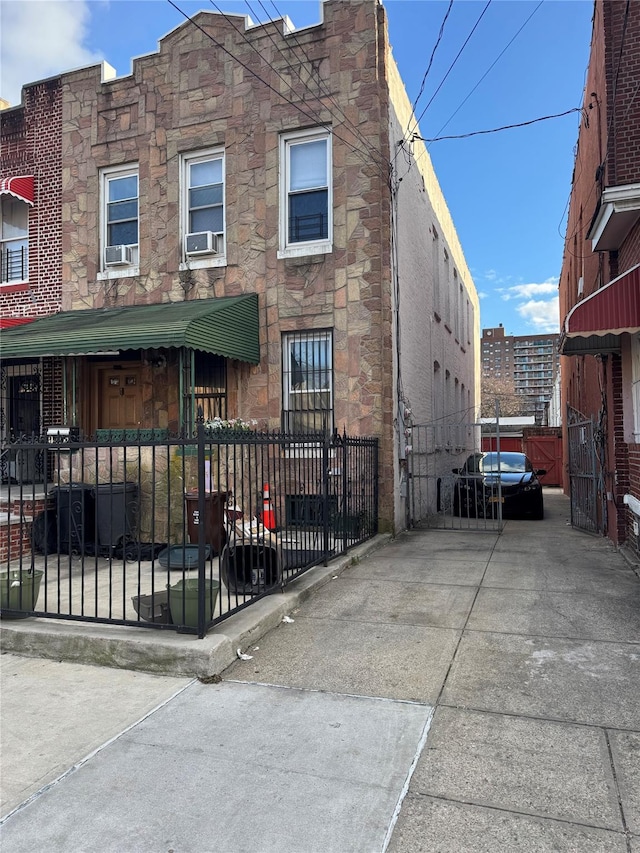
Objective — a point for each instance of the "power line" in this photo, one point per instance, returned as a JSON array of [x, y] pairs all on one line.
[[451, 67], [313, 118], [433, 53], [498, 57], [321, 84], [497, 129]]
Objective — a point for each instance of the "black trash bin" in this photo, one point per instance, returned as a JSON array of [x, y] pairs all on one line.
[[116, 513], [249, 569], [75, 513]]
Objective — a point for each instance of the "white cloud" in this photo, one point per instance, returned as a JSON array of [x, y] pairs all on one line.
[[542, 315], [41, 38], [482, 294], [528, 291]]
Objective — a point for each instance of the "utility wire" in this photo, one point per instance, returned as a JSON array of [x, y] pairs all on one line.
[[313, 118], [498, 57], [451, 67], [272, 67], [497, 129], [321, 84], [433, 53]]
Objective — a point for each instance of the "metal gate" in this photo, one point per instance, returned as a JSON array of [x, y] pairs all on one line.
[[445, 492], [588, 507]]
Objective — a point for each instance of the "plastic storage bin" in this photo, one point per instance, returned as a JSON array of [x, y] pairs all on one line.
[[75, 512], [116, 512], [249, 569]]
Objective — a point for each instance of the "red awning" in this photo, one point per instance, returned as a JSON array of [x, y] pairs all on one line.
[[595, 324], [10, 322], [19, 187]]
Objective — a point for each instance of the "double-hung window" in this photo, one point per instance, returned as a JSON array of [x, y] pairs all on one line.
[[307, 372], [14, 240], [203, 219], [120, 217], [306, 193]]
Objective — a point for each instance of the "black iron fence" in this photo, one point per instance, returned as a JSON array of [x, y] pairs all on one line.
[[140, 528]]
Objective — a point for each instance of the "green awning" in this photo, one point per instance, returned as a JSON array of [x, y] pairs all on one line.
[[227, 326]]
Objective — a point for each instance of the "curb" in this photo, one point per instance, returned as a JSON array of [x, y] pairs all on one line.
[[167, 652]]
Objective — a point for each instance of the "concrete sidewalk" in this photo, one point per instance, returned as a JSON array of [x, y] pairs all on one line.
[[450, 691]]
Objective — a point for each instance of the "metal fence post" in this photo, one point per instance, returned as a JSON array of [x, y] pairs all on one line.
[[202, 528]]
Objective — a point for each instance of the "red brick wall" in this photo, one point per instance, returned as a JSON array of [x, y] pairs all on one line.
[[620, 483], [622, 31], [31, 144], [608, 154], [15, 533]]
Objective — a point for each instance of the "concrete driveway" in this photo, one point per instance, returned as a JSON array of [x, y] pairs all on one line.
[[452, 691]]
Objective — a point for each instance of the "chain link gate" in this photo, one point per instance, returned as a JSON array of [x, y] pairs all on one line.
[[440, 496], [588, 508]]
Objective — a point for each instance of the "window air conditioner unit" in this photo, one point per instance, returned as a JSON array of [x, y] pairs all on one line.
[[201, 243], [117, 256]]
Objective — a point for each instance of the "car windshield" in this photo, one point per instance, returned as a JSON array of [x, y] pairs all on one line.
[[510, 462]]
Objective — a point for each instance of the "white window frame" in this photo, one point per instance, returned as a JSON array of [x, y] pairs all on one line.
[[288, 248], [220, 258], [107, 175], [324, 337], [6, 241]]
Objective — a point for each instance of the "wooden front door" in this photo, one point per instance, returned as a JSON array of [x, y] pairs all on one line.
[[120, 398]]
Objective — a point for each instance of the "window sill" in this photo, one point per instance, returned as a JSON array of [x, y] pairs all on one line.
[[303, 250], [203, 263], [14, 286], [119, 272]]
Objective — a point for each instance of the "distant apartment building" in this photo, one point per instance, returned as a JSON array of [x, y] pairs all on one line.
[[529, 363]]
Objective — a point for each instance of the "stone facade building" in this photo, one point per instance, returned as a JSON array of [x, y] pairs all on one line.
[[600, 287], [235, 236]]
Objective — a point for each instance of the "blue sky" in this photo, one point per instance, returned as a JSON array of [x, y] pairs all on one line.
[[507, 191]]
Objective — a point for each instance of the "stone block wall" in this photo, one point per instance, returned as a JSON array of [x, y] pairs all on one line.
[[219, 85]]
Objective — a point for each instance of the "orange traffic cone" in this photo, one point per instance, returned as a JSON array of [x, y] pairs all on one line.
[[268, 513]]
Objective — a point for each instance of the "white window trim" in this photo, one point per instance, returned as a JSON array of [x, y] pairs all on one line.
[[312, 247], [205, 261], [124, 271], [4, 241]]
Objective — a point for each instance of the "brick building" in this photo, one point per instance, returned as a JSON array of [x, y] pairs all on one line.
[[30, 257], [527, 363], [600, 287], [230, 241]]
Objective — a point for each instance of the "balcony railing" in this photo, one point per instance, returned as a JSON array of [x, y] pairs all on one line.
[[14, 264]]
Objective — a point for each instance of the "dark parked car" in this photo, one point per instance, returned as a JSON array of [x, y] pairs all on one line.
[[487, 479]]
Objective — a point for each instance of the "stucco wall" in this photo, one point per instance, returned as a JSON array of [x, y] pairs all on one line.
[[431, 329]]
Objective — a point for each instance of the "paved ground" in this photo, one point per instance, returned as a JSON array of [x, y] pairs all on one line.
[[452, 691]]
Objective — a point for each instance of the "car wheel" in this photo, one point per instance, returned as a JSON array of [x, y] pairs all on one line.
[[538, 509]]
